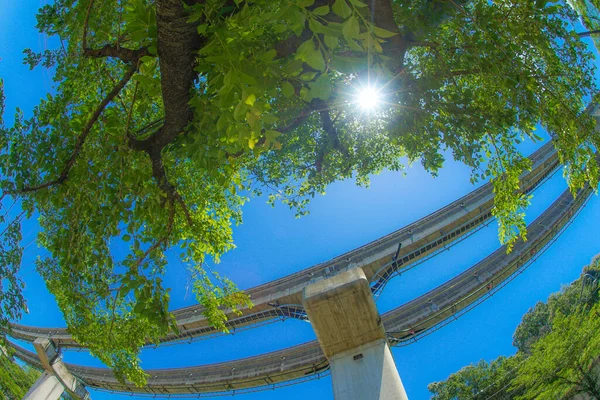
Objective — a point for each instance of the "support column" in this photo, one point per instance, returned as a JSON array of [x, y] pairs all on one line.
[[56, 378], [47, 387], [343, 314]]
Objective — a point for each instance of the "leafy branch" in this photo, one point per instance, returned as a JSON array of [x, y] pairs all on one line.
[[81, 139]]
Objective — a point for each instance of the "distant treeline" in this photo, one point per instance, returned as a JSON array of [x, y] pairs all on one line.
[[558, 350]]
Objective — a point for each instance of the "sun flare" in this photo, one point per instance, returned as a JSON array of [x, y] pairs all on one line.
[[368, 98]]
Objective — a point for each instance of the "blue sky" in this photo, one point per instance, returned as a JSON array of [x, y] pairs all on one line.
[[272, 243]]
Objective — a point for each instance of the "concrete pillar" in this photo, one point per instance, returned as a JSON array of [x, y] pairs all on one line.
[[47, 387], [55, 371], [343, 314]]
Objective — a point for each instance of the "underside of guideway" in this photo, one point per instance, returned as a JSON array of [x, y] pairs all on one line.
[[282, 298], [403, 324]]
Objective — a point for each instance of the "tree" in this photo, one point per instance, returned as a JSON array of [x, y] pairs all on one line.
[[14, 380], [562, 361], [168, 115], [558, 346], [480, 381], [538, 321], [589, 12], [535, 324]]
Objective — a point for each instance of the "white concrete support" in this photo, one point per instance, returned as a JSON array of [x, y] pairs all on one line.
[[343, 314], [366, 372], [56, 378], [47, 387]]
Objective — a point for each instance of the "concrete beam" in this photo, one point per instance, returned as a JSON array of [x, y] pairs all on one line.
[[344, 316], [53, 364], [343, 312], [47, 352]]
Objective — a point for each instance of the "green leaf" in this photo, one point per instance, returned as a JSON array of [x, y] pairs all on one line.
[[287, 89], [305, 3], [342, 9], [123, 291], [308, 76], [229, 78], [126, 238], [305, 49], [315, 60], [355, 46], [240, 111], [351, 29], [323, 10], [272, 135], [250, 99], [222, 122], [321, 88], [347, 65], [331, 42], [333, 29], [315, 26], [382, 33], [201, 29], [358, 3], [306, 95]]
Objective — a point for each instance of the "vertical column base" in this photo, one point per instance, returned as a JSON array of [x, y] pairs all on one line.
[[47, 387], [366, 372], [52, 363]]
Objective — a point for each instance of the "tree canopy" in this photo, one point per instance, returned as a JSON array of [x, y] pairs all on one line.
[[480, 381], [589, 13], [14, 380], [566, 359], [168, 115], [558, 345]]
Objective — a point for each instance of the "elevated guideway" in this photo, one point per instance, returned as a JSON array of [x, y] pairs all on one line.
[[380, 260], [403, 324]]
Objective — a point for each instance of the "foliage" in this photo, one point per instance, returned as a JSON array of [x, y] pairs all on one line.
[[12, 302], [537, 322], [563, 359], [558, 342], [480, 381], [217, 298], [168, 115], [589, 12], [14, 380]]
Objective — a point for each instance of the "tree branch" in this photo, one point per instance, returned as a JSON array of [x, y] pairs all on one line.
[[588, 33], [84, 134], [125, 55], [85, 24], [122, 53], [333, 138], [299, 120], [163, 240], [395, 47], [186, 211]]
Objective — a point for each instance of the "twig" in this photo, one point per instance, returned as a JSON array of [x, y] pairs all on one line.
[[162, 240], [85, 25]]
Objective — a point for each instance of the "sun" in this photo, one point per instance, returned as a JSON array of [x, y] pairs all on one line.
[[368, 98]]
